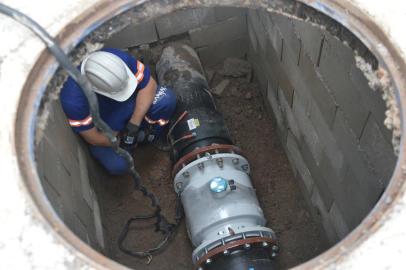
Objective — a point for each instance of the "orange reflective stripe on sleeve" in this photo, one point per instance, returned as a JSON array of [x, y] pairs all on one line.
[[161, 122], [140, 71], [78, 123]]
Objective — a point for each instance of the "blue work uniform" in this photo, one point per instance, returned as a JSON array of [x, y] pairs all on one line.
[[117, 114]]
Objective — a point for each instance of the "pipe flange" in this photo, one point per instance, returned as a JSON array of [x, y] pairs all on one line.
[[207, 150], [228, 248], [232, 242]]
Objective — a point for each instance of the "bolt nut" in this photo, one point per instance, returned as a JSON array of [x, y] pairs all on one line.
[[273, 255], [200, 166], [219, 162], [265, 244], [208, 261], [226, 252], [186, 174], [179, 185], [236, 161], [247, 246]]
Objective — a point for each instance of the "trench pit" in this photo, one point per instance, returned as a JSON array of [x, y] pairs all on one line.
[[323, 206]]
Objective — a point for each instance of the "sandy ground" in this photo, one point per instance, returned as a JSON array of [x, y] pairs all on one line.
[[254, 132]]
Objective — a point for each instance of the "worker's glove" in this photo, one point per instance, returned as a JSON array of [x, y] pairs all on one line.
[[130, 134]]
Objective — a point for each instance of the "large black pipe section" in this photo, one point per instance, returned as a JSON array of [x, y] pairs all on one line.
[[180, 69], [224, 220]]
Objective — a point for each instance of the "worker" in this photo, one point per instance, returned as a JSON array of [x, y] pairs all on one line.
[[130, 102]]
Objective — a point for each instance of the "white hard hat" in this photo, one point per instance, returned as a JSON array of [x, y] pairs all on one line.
[[109, 75]]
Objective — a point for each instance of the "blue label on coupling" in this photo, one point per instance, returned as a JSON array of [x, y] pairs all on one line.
[[218, 184]]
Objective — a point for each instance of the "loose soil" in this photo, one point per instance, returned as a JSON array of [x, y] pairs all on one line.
[[254, 131]]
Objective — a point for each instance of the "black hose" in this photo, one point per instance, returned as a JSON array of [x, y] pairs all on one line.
[[64, 61]]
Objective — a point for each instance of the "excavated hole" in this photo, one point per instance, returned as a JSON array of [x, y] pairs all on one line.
[[309, 115]]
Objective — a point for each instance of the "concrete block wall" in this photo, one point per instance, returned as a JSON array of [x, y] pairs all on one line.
[[216, 33], [329, 120], [70, 179]]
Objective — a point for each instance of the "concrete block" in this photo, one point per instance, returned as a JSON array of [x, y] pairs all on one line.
[[84, 213], [260, 74], [282, 129], [86, 189], [223, 13], [259, 29], [328, 142], [323, 216], [80, 230], [230, 29], [335, 65], [273, 32], [311, 37], [319, 178], [216, 53], [300, 107], [53, 196], [174, 23], [356, 159], [352, 205], [205, 16], [273, 100], [378, 151], [274, 70], [252, 36], [287, 114], [289, 36], [319, 92], [54, 171], [372, 99], [336, 218], [298, 162], [286, 86], [99, 232], [345, 191], [133, 35], [61, 137]]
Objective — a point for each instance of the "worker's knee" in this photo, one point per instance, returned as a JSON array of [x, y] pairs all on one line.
[[119, 166], [111, 161]]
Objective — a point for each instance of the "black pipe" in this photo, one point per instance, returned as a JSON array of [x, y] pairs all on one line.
[[179, 68]]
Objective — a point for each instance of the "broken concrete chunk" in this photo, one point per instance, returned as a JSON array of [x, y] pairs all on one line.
[[236, 67], [219, 89]]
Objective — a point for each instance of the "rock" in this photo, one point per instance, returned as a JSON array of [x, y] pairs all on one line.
[[219, 89], [248, 96], [236, 67]]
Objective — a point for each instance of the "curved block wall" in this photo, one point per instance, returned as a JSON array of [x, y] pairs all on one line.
[[330, 121], [70, 178]]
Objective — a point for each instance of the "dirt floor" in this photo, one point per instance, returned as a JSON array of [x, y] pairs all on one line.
[[254, 132]]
